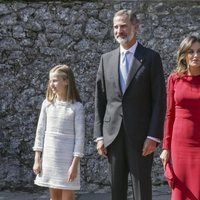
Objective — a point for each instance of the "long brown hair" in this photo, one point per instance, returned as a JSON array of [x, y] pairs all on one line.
[[66, 73], [182, 52]]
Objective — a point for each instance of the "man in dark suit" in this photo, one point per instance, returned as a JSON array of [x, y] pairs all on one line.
[[129, 109]]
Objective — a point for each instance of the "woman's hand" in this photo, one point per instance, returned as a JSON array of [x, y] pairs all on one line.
[[165, 157]]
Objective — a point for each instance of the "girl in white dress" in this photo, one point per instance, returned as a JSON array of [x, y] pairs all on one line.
[[59, 141]]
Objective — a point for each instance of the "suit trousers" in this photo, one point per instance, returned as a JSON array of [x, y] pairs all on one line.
[[125, 159]]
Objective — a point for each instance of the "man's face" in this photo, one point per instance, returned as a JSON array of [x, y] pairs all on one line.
[[124, 30]]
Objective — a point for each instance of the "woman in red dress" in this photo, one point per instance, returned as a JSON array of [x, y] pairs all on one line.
[[181, 144]]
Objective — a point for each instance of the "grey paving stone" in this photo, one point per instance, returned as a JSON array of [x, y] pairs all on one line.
[[159, 193]]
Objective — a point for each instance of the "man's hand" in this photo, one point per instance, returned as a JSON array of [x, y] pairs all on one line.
[[148, 147], [101, 149]]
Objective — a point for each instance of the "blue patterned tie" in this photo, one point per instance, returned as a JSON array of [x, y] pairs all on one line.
[[124, 69]]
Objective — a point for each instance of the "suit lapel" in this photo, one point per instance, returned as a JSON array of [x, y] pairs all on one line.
[[137, 62]]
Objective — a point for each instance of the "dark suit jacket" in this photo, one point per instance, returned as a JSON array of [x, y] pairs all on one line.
[[142, 106]]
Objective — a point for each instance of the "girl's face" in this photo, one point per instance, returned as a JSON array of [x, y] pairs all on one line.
[[58, 86], [193, 56]]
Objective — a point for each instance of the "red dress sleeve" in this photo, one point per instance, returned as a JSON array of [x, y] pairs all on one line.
[[170, 113]]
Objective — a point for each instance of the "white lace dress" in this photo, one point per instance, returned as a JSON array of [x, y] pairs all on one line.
[[60, 136]]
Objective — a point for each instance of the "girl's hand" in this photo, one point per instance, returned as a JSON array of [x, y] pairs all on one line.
[[73, 170], [37, 166], [72, 173], [165, 157]]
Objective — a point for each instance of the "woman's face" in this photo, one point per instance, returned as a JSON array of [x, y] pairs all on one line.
[[193, 56]]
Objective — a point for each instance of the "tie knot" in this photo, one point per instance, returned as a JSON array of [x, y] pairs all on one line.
[[125, 53]]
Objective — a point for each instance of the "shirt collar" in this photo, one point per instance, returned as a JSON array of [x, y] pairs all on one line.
[[131, 49]]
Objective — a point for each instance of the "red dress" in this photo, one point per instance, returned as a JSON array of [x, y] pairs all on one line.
[[182, 134]]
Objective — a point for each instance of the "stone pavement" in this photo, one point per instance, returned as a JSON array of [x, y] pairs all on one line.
[[159, 193]]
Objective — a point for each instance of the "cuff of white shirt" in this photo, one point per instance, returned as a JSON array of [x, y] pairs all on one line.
[[99, 138], [154, 139]]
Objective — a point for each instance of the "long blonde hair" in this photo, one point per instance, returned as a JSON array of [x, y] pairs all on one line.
[[182, 52], [66, 73]]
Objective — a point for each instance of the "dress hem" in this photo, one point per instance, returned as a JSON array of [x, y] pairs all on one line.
[[57, 186]]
